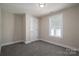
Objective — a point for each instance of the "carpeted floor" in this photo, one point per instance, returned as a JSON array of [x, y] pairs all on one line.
[[37, 48]]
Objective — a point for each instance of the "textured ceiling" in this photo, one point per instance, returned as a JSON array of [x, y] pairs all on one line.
[[33, 8]]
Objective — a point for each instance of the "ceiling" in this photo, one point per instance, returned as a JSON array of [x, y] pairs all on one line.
[[33, 8]]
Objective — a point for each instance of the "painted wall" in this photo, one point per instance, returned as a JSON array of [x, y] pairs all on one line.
[[12, 26], [31, 28], [18, 28], [19, 32], [0, 30], [70, 29], [7, 27]]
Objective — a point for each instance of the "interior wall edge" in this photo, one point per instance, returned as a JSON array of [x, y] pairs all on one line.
[[0, 49], [0, 29]]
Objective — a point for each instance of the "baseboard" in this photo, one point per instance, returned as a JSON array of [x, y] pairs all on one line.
[[9, 43], [27, 42], [65, 46]]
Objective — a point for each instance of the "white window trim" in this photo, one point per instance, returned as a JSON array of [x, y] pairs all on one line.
[[62, 32]]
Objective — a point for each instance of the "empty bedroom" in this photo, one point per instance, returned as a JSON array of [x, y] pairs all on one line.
[[39, 29]]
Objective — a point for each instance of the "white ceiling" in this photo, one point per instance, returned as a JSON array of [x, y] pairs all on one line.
[[33, 8]]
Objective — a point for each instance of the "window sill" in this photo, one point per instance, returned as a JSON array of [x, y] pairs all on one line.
[[56, 37]]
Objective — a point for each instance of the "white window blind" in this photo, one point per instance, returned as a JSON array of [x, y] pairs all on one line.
[[56, 25]]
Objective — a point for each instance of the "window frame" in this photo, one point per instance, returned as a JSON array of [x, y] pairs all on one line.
[[54, 30]]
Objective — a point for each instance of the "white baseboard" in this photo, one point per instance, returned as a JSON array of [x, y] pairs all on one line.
[[9, 43], [27, 42], [65, 46]]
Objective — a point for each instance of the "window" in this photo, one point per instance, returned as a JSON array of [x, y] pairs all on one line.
[[56, 25]]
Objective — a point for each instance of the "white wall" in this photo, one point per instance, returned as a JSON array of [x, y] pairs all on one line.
[[12, 26], [7, 27], [19, 27], [71, 29], [31, 29], [0, 30]]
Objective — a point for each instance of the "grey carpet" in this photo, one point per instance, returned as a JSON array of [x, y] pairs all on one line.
[[37, 48]]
